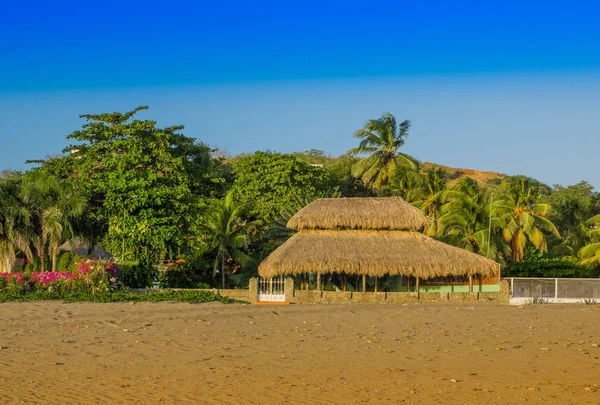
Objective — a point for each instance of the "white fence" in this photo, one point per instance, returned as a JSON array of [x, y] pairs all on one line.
[[271, 290], [554, 289]]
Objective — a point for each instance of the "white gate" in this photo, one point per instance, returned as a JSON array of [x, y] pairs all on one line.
[[271, 290]]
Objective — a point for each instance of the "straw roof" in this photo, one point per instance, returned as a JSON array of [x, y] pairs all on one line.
[[359, 213], [374, 253]]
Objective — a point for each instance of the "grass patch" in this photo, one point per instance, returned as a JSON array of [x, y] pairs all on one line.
[[117, 296], [537, 300]]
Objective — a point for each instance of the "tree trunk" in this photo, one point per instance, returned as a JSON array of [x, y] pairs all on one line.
[[54, 260], [54, 257], [223, 271], [6, 266], [42, 254]]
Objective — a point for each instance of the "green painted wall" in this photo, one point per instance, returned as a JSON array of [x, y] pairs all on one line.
[[460, 288]]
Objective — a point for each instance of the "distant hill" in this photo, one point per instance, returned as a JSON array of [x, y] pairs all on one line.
[[455, 174]]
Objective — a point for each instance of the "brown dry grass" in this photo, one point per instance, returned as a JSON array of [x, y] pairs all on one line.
[[330, 354], [455, 174]]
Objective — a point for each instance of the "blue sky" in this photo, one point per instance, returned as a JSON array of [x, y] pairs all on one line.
[[499, 86]]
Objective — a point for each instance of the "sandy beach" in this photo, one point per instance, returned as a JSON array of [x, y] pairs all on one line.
[[237, 354]]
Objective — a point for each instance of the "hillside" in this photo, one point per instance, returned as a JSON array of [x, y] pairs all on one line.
[[455, 174]]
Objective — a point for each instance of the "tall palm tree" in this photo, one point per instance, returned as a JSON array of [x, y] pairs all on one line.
[[465, 219], [53, 205], [380, 139], [428, 196], [524, 218], [228, 231], [14, 227]]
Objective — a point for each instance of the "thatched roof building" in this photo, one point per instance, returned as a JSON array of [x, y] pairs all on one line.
[[369, 237], [391, 213]]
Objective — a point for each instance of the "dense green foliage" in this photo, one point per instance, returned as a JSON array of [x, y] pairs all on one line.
[[172, 211], [194, 296], [269, 182]]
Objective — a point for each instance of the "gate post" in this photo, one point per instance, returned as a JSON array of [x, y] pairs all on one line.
[[253, 290], [289, 289]]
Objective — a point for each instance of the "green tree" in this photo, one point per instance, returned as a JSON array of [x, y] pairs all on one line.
[[145, 184], [428, 196], [465, 219], [227, 230], [589, 254], [15, 232], [380, 140], [572, 206], [269, 182], [52, 204], [524, 217]]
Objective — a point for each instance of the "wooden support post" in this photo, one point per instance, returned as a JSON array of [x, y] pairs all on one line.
[[417, 284], [376, 284], [318, 281], [470, 283], [364, 283], [408, 283], [344, 280]]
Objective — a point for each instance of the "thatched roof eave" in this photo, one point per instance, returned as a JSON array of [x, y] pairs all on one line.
[[375, 254]]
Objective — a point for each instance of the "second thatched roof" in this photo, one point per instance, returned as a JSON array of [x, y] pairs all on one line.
[[373, 253], [391, 213]]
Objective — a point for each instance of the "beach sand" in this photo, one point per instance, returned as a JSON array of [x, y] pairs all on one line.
[[236, 354]]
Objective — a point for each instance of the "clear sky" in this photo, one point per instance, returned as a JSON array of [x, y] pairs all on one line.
[[507, 86]]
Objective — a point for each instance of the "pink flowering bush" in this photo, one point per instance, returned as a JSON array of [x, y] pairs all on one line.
[[90, 276], [88, 266], [43, 278]]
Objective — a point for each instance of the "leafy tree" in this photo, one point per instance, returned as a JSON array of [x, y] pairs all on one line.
[[145, 184], [227, 230], [572, 206], [341, 178], [380, 139], [52, 204], [536, 264], [14, 225], [270, 182], [524, 218]]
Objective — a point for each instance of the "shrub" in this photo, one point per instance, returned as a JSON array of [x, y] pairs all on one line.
[[137, 275], [117, 296], [90, 276]]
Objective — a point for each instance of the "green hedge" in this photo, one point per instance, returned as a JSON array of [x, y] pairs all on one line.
[[118, 296]]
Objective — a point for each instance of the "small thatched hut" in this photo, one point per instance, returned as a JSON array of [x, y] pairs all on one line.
[[370, 237]]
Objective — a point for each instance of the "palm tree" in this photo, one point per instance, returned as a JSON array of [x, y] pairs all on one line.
[[228, 230], [428, 196], [589, 255], [465, 218], [380, 139], [53, 205], [524, 218], [14, 229], [571, 208]]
